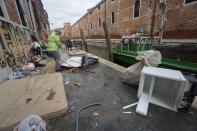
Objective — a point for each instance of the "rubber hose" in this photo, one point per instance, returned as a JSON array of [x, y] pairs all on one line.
[[78, 113]]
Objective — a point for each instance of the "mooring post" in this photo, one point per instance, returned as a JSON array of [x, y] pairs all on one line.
[[84, 41], [108, 40]]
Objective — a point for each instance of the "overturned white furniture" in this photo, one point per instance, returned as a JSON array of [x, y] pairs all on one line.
[[162, 87]]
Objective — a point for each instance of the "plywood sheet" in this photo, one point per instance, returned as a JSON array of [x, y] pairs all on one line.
[[15, 93]]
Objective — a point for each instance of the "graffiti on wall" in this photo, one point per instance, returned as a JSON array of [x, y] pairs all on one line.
[[14, 44]]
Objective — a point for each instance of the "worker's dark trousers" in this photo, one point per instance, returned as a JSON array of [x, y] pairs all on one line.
[[56, 56]]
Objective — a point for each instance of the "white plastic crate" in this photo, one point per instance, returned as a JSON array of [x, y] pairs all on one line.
[[162, 87]]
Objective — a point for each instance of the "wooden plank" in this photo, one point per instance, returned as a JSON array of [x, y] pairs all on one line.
[[19, 98], [108, 40], [83, 40]]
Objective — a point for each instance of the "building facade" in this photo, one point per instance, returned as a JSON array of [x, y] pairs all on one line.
[[66, 31], [19, 19], [29, 14], [169, 19]]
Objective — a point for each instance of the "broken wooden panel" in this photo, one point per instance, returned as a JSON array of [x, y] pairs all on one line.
[[15, 43], [19, 98]]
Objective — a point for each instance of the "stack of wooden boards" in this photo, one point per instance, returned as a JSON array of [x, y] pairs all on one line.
[[19, 98]]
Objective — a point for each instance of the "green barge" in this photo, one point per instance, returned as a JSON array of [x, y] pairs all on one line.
[[175, 56]]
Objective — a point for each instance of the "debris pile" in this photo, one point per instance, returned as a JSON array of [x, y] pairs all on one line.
[[131, 75]]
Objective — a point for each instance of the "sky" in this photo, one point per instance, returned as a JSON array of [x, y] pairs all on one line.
[[61, 11]]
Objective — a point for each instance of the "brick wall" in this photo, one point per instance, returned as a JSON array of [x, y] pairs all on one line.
[[41, 18], [12, 11], [42, 24], [124, 24], [27, 14], [179, 19], [16, 38], [66, 31]]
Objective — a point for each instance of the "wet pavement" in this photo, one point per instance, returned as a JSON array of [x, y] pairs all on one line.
[[101, 84]]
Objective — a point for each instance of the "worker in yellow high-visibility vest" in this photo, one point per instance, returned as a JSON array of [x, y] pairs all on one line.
[[53, 46]]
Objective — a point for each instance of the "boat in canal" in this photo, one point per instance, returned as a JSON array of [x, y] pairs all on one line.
[[174, 55]]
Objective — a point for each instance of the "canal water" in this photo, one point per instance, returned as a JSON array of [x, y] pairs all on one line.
[[99, 48]]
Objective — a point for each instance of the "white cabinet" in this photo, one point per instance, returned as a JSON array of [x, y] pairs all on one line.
[[162, 87]]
